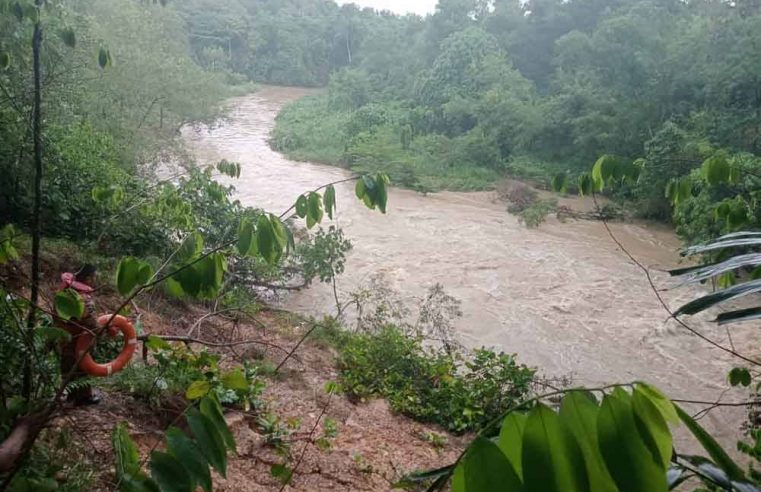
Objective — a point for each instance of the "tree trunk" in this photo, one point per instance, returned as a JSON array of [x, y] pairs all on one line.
[[37, 210]]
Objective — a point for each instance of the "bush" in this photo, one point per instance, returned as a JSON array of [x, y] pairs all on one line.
[[429, 384]]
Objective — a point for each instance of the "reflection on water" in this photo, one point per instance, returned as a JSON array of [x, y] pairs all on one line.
[[561, 296]]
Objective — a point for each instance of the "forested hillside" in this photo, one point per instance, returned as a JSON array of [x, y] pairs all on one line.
[[480, 90]]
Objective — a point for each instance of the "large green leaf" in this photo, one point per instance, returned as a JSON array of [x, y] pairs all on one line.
[[132, 273], [487, 469], [234, 380], [314, 210], [709, 300], [169, 473], [652, 427], [125, 451], [198, 389], [210, 441], [511, 439], [329, 200], [245, 236], [739, 315], [704, 272], [664, 405], [552, 460], [578, 412], [265, 239], [186, 451], [191, 247], [104, 58], [626, 457], [68, 37], [213, 411], [714, 450], [69, 304], [716, 169], [381, 193], [302, 207]]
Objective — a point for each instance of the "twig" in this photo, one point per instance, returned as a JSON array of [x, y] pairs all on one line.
[[298, 344], [186, 339], [307, 443]]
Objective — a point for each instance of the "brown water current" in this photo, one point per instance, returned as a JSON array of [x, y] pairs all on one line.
[[562, 296]]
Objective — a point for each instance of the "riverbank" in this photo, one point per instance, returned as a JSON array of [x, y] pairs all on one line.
[[562, 296], [368, 142]]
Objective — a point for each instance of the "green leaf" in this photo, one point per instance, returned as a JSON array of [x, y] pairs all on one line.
[[5, 60], [155, 343], [198, 389], [559, 183], [125, 452], [69, 304], [660, 400], [716, 169], [486, 468], [578, 412], [329, 200], [381, 193], [625, 455], [709, 300], [511, 439], [314, 210], [104, 58], [652, 428], [301, 206], [234, 380], [210, 408], [53, 334], [359, 189], [191, 247], [245, 236], [585, 184], [739, 375], [714, 450], [169, 473], [552, 460], [265, 240], [186, 451], [281, 472], [68, 37], [210, 442], [129, 274]]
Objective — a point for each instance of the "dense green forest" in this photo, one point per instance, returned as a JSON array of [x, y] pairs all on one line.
[[654, 103], [531, 89]]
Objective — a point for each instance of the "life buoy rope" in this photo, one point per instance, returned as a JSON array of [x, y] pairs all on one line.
[[84, 342]]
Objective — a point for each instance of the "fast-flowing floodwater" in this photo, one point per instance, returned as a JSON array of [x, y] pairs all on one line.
[[563, 297]]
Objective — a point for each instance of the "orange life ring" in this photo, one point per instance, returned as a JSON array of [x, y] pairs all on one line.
[[88, 364]]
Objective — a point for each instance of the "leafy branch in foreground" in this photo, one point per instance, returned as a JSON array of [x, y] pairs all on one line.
[[185, 463], [622, 442]]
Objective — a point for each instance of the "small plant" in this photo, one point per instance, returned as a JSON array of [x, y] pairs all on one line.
[[180, 370], [329, 433], [361, 464], [438, 441], [535, 214], [276, 432]]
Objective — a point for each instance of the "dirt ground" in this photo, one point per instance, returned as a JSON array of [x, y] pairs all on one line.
[[373, 448]]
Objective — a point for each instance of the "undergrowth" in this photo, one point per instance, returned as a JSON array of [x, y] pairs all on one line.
[[459, 391]]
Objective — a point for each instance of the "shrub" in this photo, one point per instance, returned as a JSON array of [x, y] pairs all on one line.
[[429, 384]]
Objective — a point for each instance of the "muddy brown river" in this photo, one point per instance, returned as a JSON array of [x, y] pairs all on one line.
[[562, 296]]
